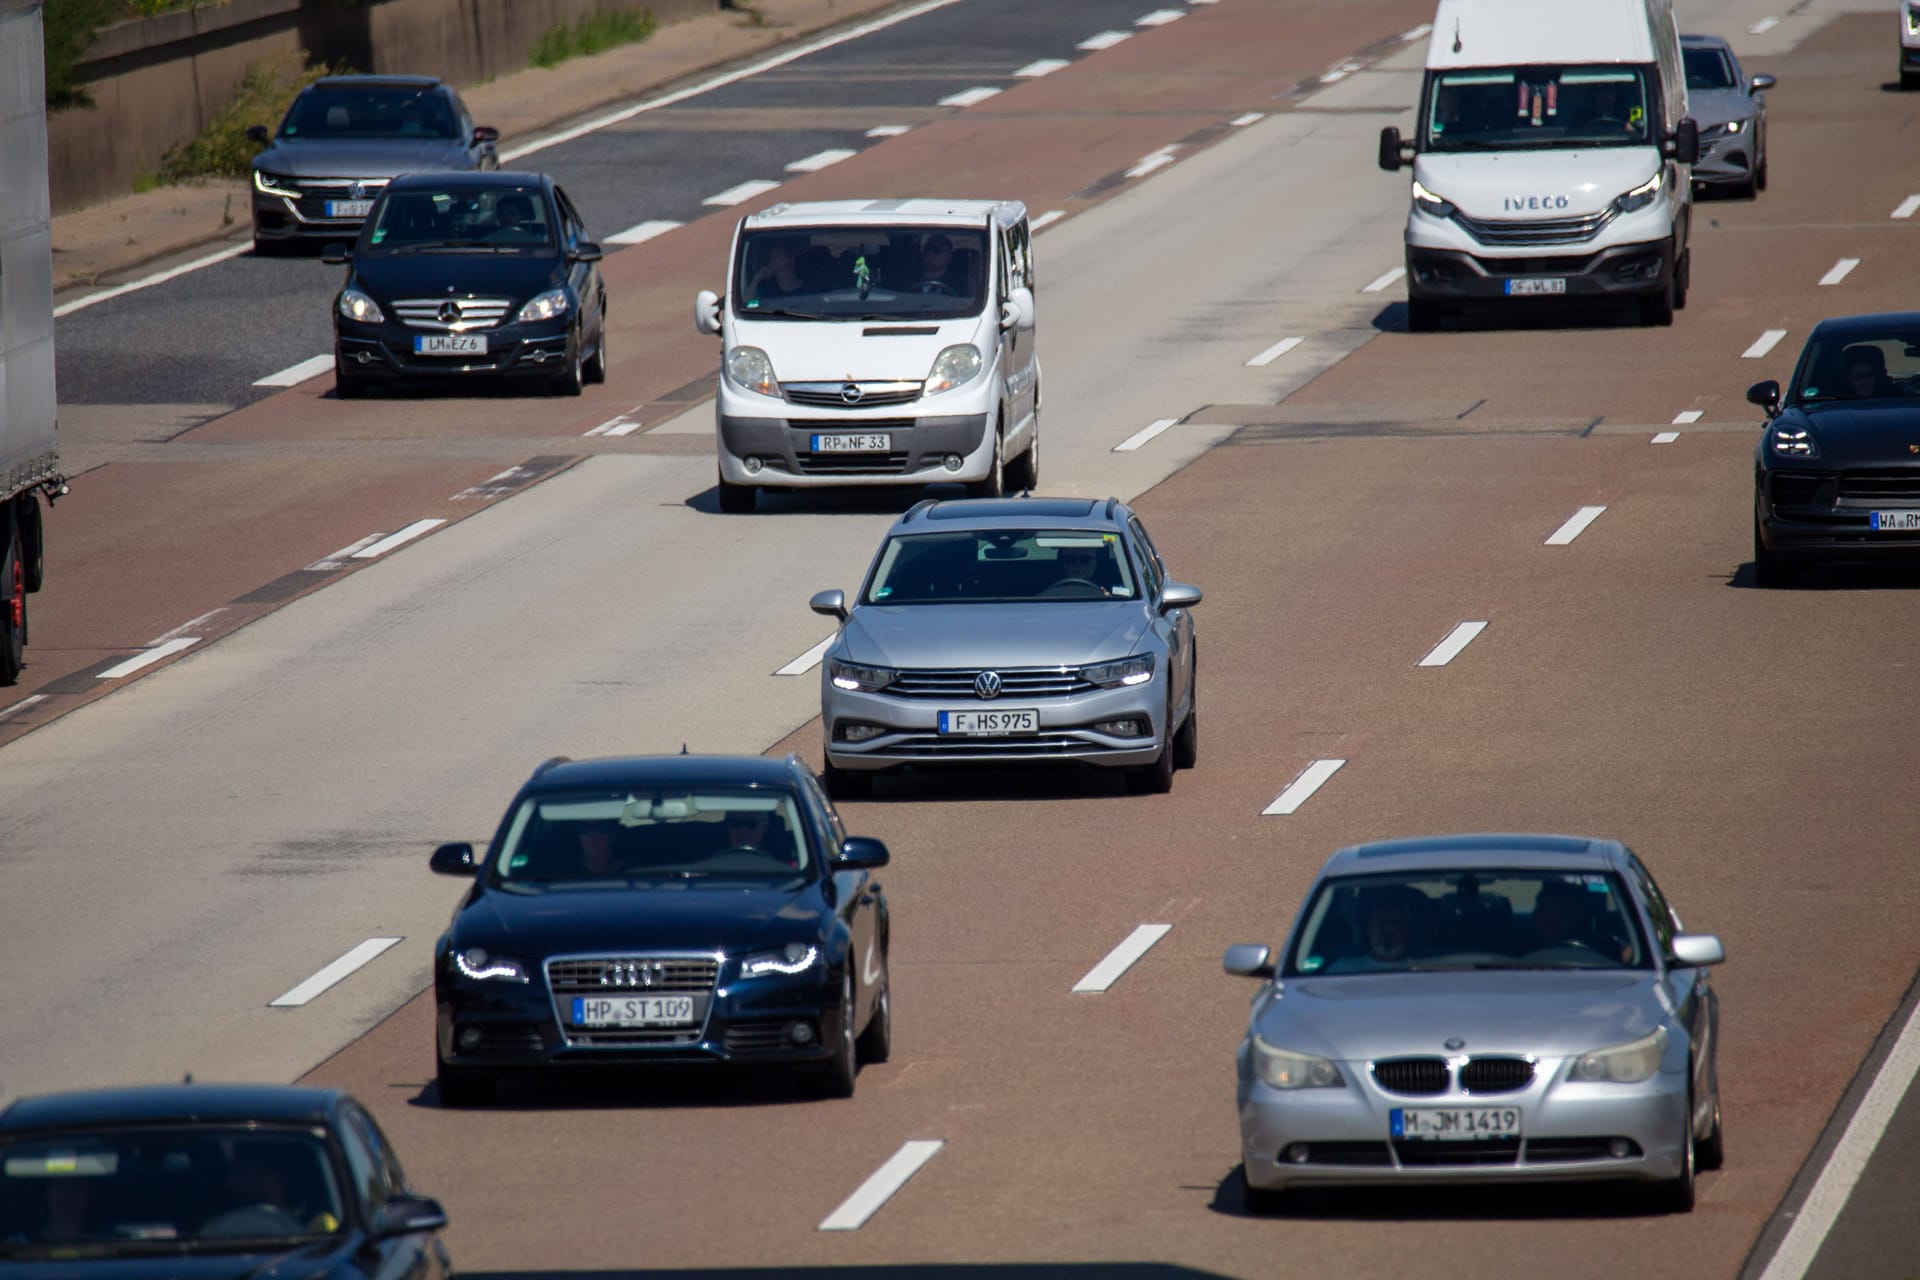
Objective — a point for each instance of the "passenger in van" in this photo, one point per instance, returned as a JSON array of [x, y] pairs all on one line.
[[780, 277]]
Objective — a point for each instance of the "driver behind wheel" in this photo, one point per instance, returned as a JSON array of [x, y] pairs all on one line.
[[758, 829], [936, 268], [268, 1188], [1560, 915]]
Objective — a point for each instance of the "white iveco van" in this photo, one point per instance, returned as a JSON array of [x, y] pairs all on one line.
[[1550, 158], [877, 342]]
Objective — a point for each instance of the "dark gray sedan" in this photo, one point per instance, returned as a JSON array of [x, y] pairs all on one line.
[[342, 139], [1481, 1008], [1731, 110]]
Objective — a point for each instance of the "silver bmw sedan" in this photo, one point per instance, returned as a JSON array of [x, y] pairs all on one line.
[[1481, 1008]]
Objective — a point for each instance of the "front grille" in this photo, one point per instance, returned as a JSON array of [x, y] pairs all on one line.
[[850, 464], [1496, 1075], [758, 1037], [832, 395], [1564, 266], [337, 188], [627, 1037], [932, 746], [473, 313], [1531, 231], [1417, 1152], [1411, 1075], [1562, 1150], [1018, 683], [602, 975], [1891, 485], [1792, 491]]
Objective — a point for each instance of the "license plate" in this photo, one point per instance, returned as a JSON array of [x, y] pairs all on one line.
[[450, 344], [989, 724], [869, 443], [1894, 521], [632, 1011], [348, 208], [1455, 1123], [1536, 285]]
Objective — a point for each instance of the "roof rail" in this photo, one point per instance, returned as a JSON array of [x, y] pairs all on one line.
[[917, 508], [1111, 504], [549, 763]]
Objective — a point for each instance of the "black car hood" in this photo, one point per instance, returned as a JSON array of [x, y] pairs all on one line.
[[310, 1262], [566, 920], [1861, 435], [360, 157], [517, 275]]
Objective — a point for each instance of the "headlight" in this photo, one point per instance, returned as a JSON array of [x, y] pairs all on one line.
[[795, 957], [1427, 202], [475, 963], [1641, 196], [1794, 442], [272, 184], [355, 305], [1628, 1063], [1714, 132], [848, 675], [545, 307], [1913, 21], [1109, 675], [750, 368], [1284, 1069], [953, 367]]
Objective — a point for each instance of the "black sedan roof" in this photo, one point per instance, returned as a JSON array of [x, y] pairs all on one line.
[[506, 179], [664, 771], [169, 1104], [325, 83], [1875, 325]]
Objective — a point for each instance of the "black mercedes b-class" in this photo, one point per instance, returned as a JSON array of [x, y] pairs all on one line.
[[664, 909]]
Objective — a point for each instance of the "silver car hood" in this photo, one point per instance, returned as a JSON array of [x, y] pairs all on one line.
[[1053, 634], [1553, 1014], [361, 157], [1717, 106]]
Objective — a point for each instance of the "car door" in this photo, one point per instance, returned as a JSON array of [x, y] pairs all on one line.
[[376, 1177], [1690, 990], [585, 276], [858, 901], [1176, 625]]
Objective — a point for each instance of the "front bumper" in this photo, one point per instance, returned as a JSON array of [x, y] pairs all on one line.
[[286, 218], [1066, 728], [1449, 275], [1817, 524], [920, 448], [1566, 1128], [384, 352], [1727, 160]]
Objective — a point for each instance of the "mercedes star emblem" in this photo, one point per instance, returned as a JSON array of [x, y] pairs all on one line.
[[449, 312]]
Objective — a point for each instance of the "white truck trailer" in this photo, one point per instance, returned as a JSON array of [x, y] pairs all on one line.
[[29, 454]]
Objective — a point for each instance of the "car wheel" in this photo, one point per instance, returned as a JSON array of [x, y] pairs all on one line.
[[1186, 742], [263, 248], [1265, 1202], [995, 484], [596, 370], [835, 1078], [876, 1042], [738, 499], [1910, 80], [1760, 174], [1023, 473], [847, 784], [345, 388], [1676, 1195], [1748, 189], [1711, 1152], [1156, 778], [1768, 573], [1422, 316], [13, 601], [460, 1089], [1656, 309], [573, 377], [1682, 279]]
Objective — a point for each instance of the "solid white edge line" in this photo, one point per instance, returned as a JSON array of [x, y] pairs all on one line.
[[1848, 1162], [1045, 220], [147, 282], [1575, 526], [1380, 282], [357, 958], [1839, 271], [641, 232], [392, 540], [1144, 434], [1122, 958], [808, 660], [881, 1184], [1685, 416], [1147, 164], [598, 123], [338, 560], [1664, 437], [969, 97], [1252, 117], [604, 427], [147, 657], [1907, 208], [1104, 40], [1424, 29], [1311, 779], [1274, 352], [822, 159], [22, 705], [1764, 343], [293, 375], [185, 627], [1042, 67], [742, 192], [623, 428], [1449, 649]]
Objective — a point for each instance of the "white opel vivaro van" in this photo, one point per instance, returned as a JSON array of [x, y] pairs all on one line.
[[1551, 157], [877, 342], [1909, 44]]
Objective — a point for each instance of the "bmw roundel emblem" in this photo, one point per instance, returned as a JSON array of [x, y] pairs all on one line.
[[986, 685], [1456, 1044], [850, 393]]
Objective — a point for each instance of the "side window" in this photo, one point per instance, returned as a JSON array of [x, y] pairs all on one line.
[[824, 807], [363, 1160], [570, 218], [463, 119], [1665, 924], [1023, 240], [396, 1176], [1143, 554], [1006, 263], [1146, 544]]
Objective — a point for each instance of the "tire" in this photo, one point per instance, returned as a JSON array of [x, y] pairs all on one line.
[[33, 541], [847, 784], [995, 484], [1263, 1202], [1768, 573], [1155, 779], [1909, 81], [1760, 174], [461, 1089], [876, 1041], [834, 1078], [1656, 309], [1682, 278], [13, 600], [595, 371], [573, 377], [1749, 189], [1678, 1195], [1422, 316], [1023, 473], [1186, 742], [1711, 1151], [263, 248], [738, 499]]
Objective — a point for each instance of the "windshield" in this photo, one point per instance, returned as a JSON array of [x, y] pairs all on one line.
[[862, 273], [370, 113], [1438, 920], [611, 839], [461, 219], [1001, 565], [95, 1192], [1499, 109], [1859, 367], [1708, 69]]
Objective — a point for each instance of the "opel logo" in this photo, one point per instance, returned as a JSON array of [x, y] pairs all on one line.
[[633, 973], [449, 312], [851, 393], [1456, 1044], [986, 685]]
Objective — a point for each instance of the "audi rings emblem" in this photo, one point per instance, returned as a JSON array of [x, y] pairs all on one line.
[[449, 312], [986, 685], [850, 393], [633, 973]]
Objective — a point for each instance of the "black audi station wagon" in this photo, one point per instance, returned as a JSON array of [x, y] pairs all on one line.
[[648, 910]]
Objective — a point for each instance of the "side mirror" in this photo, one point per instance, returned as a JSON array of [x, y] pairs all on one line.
[[485, 133], [258, 132], [706, 311], [454, 859], [831, 603], [404, 1215], [586, 251], [1179, 595], [334, 255], [859, 851], [1017, 311], [1686, 142], [1393, 151], [1248, 960], [1766, 395], [1697, 951], [1760, 84]]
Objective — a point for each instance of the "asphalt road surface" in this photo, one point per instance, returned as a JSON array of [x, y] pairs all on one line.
[[182, 845]]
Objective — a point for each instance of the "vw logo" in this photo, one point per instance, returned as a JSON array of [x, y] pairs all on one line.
[[633, 973], [1456, 1044], [356, 192], [986, 685], [851, 393], [449, 312]]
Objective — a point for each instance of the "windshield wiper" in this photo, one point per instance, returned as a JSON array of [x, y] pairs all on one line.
[[757, 313]]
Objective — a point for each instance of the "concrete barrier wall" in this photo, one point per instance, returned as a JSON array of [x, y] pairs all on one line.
[[156, 82]]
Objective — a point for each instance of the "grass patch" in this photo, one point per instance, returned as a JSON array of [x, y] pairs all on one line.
[[223, 150], [597, 32]]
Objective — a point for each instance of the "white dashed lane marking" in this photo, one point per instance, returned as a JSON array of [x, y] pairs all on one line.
[[1685, 416], [22, 705], [373, 550], [1252, 117], [1311, 779], [198, 624], [357, 958], [821, 159], [808, 660], [1839, 271], [1274, 352], [1044, 67], [1122, 958], [1763, 344], [1047, 219], [1449, 649], [1664, 437], [294, 375], [1105, 40], [1420, 32], [621, 426], [1575, 526], [888, 130], [968, 97], [882, 1184], [1158, 159], [742, 193], [642, 232], [1381, 282], [1907, 208], [147, 657], [1763, 26], [1144, 434], [1160, 18]]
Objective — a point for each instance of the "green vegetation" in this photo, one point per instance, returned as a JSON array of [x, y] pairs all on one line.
[[601, 30], [223, 150]]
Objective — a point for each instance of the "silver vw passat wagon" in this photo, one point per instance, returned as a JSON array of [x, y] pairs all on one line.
[[1012, 630]]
